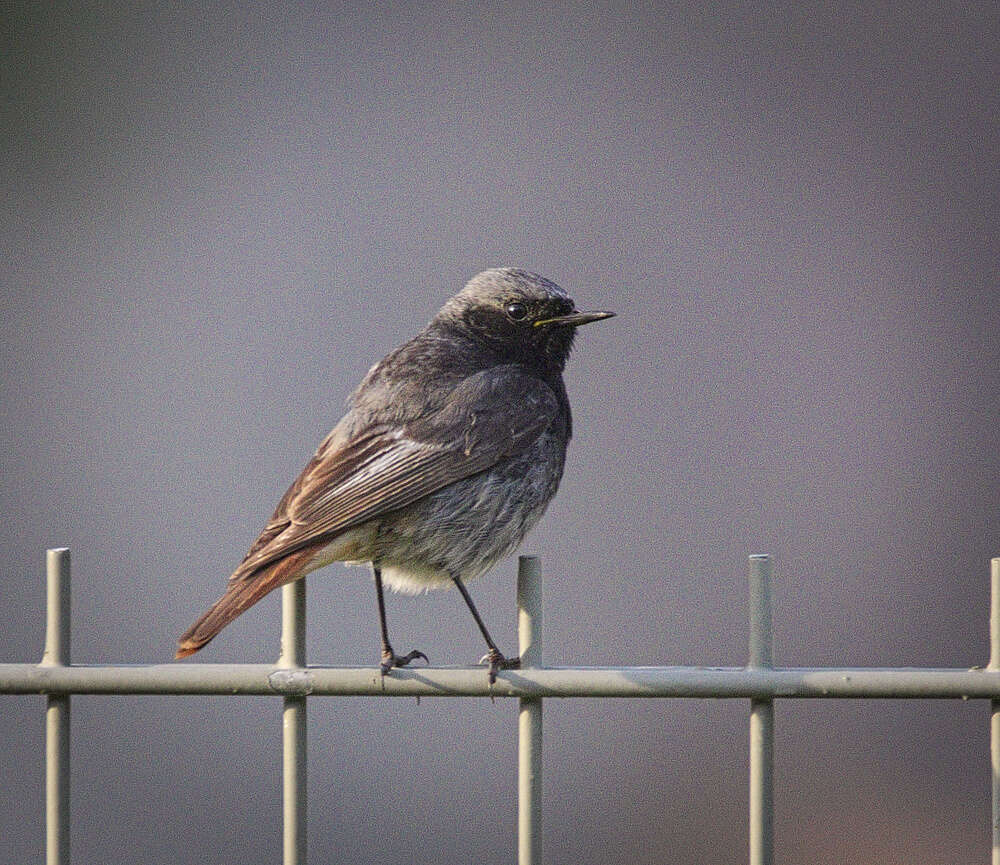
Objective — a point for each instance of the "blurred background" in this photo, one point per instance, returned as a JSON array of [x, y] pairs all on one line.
[[217, 216]]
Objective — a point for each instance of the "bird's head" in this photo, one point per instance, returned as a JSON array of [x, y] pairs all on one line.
[[522, 317]]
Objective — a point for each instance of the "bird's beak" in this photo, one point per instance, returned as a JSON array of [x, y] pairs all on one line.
[[574, 319]]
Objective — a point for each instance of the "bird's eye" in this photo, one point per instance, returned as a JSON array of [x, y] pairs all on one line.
[[516, 311]]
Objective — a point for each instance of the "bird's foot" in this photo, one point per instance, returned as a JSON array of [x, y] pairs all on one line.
[[390, 659], [498, 662]]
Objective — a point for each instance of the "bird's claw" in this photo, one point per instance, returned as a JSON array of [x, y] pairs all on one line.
[[498, 662], [390, 659]]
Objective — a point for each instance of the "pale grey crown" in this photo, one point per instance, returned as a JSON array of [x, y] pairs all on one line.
[[502, 282]]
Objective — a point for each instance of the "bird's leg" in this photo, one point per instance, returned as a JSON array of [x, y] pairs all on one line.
[[389, 658], [496, 660]]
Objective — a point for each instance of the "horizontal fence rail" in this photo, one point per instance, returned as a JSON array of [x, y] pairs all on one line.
[[718, 682], [292, 680]]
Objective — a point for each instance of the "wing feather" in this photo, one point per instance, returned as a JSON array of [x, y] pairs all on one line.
[[490, 416]]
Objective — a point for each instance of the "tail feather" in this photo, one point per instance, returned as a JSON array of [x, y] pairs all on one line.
[[240, 596]]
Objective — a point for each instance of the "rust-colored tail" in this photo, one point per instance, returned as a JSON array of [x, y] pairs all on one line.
[[241, 595]]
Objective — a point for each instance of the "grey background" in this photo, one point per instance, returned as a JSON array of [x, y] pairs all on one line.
[[215, 218]]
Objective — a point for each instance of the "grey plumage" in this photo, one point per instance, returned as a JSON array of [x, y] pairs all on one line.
[[451, 449]]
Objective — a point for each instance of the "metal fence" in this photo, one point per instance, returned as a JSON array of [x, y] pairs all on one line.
[[290, 678]]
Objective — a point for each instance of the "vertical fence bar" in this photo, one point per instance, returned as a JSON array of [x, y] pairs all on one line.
[[293, 720], [57, 637], [994, 664], [529, 721], [761, 718]]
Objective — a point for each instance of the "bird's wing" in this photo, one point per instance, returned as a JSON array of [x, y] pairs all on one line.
[[490, 416]]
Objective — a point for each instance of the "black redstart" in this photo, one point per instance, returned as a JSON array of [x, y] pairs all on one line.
[[450, 451]]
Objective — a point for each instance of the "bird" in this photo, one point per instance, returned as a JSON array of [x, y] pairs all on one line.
[[450, 451]]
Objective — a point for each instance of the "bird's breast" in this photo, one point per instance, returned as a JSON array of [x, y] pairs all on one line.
[[463, 529]]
